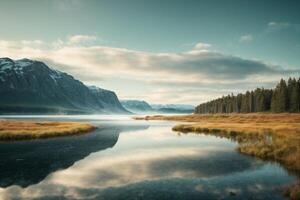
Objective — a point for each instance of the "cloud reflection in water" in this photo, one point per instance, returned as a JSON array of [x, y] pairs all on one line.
[[158, 164]]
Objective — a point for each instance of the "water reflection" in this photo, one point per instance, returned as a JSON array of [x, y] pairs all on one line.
[[115, 171], [29, 162], [145, 163]]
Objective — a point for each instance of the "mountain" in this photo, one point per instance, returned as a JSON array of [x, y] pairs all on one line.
[[29, 86], [109, 99], [137, 106], [173, 108]]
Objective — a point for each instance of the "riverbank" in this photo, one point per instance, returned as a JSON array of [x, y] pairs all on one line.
[[274, 137], [25, 130]]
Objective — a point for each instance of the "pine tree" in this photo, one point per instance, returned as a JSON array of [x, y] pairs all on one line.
[[274, 100], [284, 98], [268, 98], [293, 94], [279, 101], [259, 100]]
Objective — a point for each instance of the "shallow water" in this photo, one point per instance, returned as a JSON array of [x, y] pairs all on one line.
[[127, 159]]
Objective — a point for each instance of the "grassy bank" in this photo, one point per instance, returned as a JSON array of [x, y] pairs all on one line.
[[25, 130], [273, 137]]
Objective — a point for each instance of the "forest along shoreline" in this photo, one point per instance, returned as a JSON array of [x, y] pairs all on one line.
[[274, 137], [11, 130]]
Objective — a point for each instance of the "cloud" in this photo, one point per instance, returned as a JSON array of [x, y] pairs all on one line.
[[246, 38], [279, 26], [193, 71], [76, 39], [202, 46]]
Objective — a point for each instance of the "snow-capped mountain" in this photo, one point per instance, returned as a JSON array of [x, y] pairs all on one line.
[[29, 86]]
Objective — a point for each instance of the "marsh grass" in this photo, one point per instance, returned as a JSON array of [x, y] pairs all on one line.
[[25, 130], [274, 137]]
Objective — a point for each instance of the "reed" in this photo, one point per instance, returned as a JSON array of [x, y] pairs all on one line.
[[274, 137], [25, 130]]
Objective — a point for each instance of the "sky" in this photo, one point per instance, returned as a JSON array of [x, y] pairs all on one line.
[[161, 51]]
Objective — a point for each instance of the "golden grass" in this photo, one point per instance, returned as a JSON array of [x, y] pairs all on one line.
[[268, 136], [24, 130]]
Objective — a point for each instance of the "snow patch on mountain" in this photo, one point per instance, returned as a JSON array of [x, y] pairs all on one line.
[[6, 65], [23, 63], [32, 86]]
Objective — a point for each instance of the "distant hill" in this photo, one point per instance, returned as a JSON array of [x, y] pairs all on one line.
[[29, 86], [137, 106], [174, 108]]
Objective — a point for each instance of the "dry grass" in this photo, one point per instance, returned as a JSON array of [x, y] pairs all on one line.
[[268, 136], [24, 130]]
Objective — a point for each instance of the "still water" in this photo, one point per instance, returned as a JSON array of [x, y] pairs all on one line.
[[128, 159]]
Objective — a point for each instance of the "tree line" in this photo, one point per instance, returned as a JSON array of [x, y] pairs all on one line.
[[285, 97]]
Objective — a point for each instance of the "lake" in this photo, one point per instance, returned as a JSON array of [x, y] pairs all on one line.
[[128, 159]]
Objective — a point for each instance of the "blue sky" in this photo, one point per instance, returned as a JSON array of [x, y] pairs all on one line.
[[165, 51]]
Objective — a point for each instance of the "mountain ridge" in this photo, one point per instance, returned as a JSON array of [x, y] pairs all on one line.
[[141, 106], [31, 86], [137, 106]]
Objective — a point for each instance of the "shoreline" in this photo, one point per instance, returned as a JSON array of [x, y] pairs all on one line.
[[15, 130], [268, 136]]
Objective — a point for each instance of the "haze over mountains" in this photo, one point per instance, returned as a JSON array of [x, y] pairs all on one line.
[[29, 86], [137, 106], [174, 108], [140, 106]]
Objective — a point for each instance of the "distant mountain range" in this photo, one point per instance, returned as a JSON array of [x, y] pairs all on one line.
[[138, 106], [173, 108], [29, 86], [182, 107]]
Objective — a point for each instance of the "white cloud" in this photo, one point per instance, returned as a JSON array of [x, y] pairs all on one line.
[[193, 70], [246, 38], [277, 26], [32, 42], [272, 24], [75, 39], [202, 46]]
